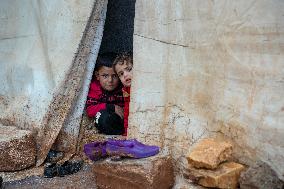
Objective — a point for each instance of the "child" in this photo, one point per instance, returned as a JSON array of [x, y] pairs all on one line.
[[123, 67], [105, 100]]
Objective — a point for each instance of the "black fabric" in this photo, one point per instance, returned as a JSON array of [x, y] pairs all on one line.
[[110, 123], [119, 26], [110, 107]]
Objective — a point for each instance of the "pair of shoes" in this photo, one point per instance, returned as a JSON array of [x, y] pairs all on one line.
[[122, 148], [50, 170], [67, 168], [130, 148]]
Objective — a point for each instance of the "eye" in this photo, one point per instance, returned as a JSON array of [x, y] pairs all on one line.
[[120, 74], [105, 76]]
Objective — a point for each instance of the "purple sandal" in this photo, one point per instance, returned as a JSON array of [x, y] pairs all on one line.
[[130, 148], [95, 150], [123, 148]]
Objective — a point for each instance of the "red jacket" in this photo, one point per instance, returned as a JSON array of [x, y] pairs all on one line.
[[126, 95], [99, 99]]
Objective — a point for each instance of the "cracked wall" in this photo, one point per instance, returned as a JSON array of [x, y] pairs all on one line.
[[210, 68]]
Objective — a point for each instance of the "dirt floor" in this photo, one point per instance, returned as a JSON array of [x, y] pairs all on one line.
[[82, 179], [85, 178]]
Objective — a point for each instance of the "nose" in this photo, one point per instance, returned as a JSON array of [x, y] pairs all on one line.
[[110, 79], [126, 75]]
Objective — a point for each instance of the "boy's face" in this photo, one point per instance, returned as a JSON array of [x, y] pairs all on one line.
[[124, 72], [107, 78]]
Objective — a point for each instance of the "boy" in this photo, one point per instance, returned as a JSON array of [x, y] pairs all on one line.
[[123, 67], [105, 100]]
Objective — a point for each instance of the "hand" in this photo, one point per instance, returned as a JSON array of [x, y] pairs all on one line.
[[119, 111]]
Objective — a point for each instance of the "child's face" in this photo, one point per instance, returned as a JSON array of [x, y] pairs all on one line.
[[107, 78], [124, 72]]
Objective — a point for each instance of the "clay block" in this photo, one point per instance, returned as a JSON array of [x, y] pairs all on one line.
[[151, 173], [225, 176], [209, 153], [17, 149]]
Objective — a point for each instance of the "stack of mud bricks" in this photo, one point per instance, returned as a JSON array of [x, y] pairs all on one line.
[[148, 173], [209, 165]]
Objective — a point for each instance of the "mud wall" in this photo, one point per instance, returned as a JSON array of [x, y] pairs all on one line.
[[38, 40], [210, 68]]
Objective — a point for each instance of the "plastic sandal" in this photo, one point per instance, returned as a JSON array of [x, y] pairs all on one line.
[[130, 148], [95, 150]]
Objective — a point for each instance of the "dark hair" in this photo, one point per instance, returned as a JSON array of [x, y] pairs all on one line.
[[105, 59], [126, 56]]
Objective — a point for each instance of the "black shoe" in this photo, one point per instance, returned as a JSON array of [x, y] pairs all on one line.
[[54, 156], [1, 182], [50, 170], [69, 167]]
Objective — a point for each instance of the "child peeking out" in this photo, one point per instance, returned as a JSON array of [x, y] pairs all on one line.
[[105, 101], [123, 67]]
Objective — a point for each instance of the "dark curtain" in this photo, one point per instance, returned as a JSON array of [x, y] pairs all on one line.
[[119, 27]]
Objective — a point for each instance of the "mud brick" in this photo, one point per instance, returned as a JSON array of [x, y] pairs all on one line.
[[225, 176], [209, 153], [151, 173], [17, 149]]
